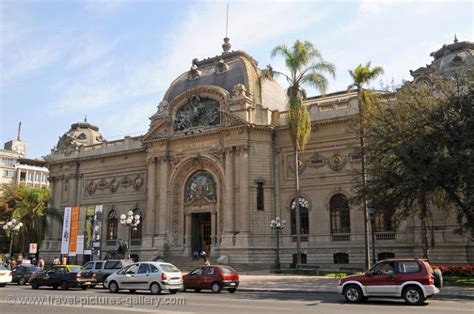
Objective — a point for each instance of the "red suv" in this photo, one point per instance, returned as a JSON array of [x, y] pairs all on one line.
[[214, 277], [410, 278]]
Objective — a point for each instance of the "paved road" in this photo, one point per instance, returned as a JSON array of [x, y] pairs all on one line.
[[13, 299]]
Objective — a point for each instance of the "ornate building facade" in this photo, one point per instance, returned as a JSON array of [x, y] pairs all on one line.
[[215, 167]]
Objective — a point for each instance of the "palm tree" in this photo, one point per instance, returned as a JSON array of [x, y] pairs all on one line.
[[28, 205], [361, 76], [306, 67]]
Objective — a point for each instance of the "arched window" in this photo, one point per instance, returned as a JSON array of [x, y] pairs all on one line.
[[304, 218], [136, 233], [112, 224], [340, 214]]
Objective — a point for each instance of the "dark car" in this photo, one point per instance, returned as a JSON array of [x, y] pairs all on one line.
[[64, 276], [410, 278], [215, 277], [22, 273], [103, 268]]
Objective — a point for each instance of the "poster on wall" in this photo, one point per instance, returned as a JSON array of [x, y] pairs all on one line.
[[73, 233], [81, 229], [90, 210], [65, 234], [96, 234]]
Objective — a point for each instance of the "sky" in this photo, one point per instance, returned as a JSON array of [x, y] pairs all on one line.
[[113, 60]]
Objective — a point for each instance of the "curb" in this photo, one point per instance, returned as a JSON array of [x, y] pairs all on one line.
[[268, 290]]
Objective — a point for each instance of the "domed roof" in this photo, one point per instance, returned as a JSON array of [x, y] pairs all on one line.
[[226, 71], [80, 134]]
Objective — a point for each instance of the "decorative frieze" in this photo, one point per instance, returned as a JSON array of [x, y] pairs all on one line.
[[115, 183]]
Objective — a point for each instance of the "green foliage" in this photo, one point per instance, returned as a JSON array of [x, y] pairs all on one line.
[[28, 205], [420, 143]]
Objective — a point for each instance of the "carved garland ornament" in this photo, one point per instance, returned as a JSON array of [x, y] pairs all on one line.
[[197, 112]]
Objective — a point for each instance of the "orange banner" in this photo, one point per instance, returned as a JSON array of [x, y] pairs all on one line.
[[74, 229]]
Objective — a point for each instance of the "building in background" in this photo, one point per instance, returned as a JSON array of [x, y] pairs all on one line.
[[216, 166]]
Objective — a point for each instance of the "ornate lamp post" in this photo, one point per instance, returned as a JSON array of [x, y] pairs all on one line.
[[131, 222], [372, 211], [14, 228], [278, 226]]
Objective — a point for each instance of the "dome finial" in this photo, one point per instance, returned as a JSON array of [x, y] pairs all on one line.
[[455, 38], [85, 119], [226, 45]]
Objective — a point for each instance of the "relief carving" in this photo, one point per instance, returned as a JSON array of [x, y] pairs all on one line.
[[114, 185], [91, 187], [197, 112], [337, 161], [137, 182]]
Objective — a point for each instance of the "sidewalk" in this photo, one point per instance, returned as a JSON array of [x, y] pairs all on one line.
[[264, 281]]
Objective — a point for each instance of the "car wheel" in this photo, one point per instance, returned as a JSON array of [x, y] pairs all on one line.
[[55, 287], [132, 290], [438, 278], [232, 290], [216, 287], [353, 294], [35, 284], [64, 285], [3, 284], [113, 287], [413, 295], [22, 281], [173, 291], [197, 290], [84, 287], [155, 288]]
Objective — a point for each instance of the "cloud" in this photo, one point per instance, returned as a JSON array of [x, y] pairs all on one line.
[[90, 50]]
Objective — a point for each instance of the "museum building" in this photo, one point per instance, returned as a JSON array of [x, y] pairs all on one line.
[[214, 169]]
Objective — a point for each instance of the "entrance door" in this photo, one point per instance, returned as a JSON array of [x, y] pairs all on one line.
[[201, 231]]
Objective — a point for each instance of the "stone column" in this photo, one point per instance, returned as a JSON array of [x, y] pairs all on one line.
[[151, 197], [244, 190], [162, 212], [228, 210]]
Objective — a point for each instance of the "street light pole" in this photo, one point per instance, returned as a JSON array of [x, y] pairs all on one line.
[[131, 222], [278, 226], [14, 228], [372, 212]]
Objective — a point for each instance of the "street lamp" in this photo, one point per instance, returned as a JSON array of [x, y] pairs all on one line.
[[131, 222], [14, 226], [278, 225], [372, 211]]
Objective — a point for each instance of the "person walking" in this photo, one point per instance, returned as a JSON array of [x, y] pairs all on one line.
[[56, 261]]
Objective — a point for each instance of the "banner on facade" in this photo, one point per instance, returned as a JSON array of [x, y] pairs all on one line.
[[90, 210], [33, 248], [73, 233], [81, 229], [66, 229], [80, 244], [96, 234]]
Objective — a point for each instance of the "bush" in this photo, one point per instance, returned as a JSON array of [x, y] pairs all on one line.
[[461, 271]]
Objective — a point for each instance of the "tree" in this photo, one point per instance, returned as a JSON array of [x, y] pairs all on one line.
[[419, 152], [306, 67], [361, 76], [28, 205]]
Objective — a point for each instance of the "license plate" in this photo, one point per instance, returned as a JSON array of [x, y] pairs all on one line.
[[88, 283], [232, 283]]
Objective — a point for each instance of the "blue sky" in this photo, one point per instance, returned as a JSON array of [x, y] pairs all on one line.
[[113, 60]]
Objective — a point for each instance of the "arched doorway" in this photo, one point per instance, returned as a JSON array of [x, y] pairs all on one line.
[[200, 198]]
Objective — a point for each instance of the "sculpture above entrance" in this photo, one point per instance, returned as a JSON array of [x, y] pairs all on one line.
[[198, 111], [200, 185]]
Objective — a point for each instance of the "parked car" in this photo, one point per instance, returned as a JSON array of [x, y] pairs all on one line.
[[22, 273], [153, 276], [215, 277], [410, 278], [103, 268], [64, 276], [5, 276]]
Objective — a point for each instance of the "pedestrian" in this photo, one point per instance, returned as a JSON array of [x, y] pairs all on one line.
[[206, 261], [56, 261], [13, 264], [64, 260], [41, 264], [195, 255]]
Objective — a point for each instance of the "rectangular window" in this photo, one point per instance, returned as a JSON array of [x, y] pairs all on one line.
[[260, 202], [8, 162], [9, 173]]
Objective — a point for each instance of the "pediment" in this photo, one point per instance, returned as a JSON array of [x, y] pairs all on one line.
[[160, 130]]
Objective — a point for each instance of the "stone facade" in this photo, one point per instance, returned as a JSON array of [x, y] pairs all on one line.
[[216, 167]]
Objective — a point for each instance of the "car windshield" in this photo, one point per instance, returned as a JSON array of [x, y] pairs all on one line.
[[228, 270], [75, 269], [169, 268]]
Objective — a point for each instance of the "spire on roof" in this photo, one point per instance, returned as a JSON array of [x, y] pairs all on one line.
[[226, 45], [85, 119], [455, 38]]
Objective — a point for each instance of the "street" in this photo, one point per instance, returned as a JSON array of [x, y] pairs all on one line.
[[23, 299]]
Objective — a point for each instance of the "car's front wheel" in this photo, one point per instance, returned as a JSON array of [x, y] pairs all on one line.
[[353, 294], [413, 295], [113, 287], [35, 284], [22, 281]]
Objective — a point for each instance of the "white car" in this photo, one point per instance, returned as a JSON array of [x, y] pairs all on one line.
[[5, 276], [153, 276]]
